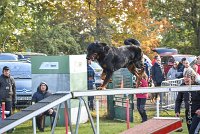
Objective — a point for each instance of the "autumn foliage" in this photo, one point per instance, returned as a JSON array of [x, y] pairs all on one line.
[[109, 21]]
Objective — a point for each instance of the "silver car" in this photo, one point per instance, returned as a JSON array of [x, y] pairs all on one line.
[[21, 71], [98, 71]]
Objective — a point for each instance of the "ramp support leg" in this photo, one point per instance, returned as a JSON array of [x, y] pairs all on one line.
[[34, 122], [90, 116], [56, 118], [157, 108], [34, 125], [97, 114], [78, 116], [69, 117]]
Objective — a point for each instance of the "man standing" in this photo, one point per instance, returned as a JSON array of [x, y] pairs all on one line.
[[7, 90], [158, 75], [91, 85], [158, 72]]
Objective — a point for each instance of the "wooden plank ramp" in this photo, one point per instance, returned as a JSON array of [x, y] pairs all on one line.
[[156, 125]]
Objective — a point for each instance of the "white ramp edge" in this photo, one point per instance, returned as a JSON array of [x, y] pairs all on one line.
[[36, 112]]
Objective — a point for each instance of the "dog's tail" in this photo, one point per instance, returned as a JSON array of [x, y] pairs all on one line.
[[131, 41]]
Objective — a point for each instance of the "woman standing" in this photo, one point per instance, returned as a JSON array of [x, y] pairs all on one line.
[[141, 98]]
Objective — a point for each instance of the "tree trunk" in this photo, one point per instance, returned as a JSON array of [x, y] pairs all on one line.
[[198, 39], [97, 37]]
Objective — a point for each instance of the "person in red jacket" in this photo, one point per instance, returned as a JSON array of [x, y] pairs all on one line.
[[154, 59], [196, 66], [141, 98]]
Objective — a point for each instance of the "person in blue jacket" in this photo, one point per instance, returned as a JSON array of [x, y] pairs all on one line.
[[42, 92], [91, 84], [158, 75]]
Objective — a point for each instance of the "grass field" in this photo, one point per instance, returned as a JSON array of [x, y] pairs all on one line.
[[106, 126]]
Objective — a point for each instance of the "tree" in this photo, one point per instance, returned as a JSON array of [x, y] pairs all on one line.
[[184, 15], [54, 41], [112, 21], [103, 20], [8, 39]]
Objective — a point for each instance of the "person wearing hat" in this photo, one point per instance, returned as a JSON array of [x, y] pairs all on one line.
[[41, 93], [172, 71], [192, 103], [7, 90]]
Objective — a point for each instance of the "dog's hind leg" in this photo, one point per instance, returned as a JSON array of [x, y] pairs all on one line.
[[106, 80], [138, 74]]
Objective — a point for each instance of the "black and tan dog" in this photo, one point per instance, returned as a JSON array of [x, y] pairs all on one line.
[[112, 59]]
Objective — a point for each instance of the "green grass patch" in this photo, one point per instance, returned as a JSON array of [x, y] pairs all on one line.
[[106, 126]]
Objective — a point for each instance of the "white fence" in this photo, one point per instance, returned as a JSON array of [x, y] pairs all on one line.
[[168, 98]]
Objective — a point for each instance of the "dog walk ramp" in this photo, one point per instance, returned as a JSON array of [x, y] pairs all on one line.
[[33, 110], [157, 125]]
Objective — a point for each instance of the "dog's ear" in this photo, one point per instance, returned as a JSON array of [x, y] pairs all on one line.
[[105, 47], [103, 44]]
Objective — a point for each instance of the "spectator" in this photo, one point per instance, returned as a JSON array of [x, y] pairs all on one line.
[[91, 84], [188, 67], [42, 92], [172, 71], [158, 72], [192, 104], [141, 98], [180, 68], [157, 76], [7, 91], [154, 59], [197, 65], [147, 68]]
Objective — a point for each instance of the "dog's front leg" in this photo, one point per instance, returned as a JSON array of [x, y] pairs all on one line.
[[106, 80], [103, 76]]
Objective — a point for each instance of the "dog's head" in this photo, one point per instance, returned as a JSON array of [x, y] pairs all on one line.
[[94, 50]]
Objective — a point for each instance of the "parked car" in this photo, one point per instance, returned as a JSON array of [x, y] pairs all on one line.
[[8, 57], [165, 51], [28, 55], [98, 71], [22, 74], [168, 60]]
